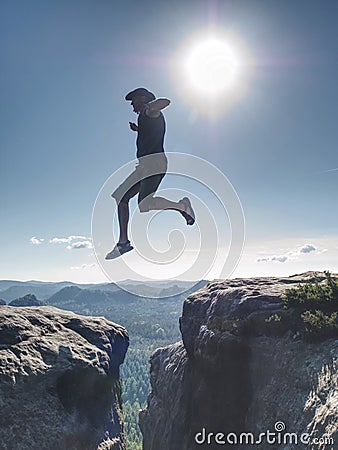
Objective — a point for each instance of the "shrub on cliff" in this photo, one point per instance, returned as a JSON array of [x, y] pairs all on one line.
[[319, 324], [316, 304]]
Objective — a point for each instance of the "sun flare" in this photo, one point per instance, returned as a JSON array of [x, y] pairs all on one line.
[[212, 66], [212, 70]]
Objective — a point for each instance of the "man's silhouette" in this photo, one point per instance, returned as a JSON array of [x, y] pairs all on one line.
[[150, 170]]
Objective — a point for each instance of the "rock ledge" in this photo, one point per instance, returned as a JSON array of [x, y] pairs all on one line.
[[59, 380]]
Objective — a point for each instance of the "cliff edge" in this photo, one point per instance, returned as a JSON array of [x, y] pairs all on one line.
[[59, 380], [242, 376]]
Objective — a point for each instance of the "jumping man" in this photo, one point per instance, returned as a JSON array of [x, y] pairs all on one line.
[[150, 170]]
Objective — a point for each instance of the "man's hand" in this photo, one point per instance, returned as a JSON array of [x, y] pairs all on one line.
[[133, 126]]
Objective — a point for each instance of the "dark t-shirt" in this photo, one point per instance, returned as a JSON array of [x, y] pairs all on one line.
[[150, 136]]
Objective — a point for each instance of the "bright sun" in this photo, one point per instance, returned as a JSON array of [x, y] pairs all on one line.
[[212, 69], [212, 66]]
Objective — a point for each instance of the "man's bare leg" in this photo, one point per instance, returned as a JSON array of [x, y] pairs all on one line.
[[183, 206], [123, 215], [160, 203], [123, 244]]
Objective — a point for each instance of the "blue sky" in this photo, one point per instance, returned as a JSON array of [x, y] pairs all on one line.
[[66, 67]]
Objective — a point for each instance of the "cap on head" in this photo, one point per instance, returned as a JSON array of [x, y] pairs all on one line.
[[140, 91]]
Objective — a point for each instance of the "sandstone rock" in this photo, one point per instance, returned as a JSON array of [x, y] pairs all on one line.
[[237, 371], [59, 380]]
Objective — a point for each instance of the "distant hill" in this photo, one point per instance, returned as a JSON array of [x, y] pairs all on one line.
[[177, 289], [73, 297], [27, 300], [64, 295], [5, 284], [162, 289], [20, 288], [10, 289]]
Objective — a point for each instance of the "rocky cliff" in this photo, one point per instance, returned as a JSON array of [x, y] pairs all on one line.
[[242, 367], [59, 380]]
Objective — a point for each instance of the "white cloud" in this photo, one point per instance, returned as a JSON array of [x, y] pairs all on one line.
[[79, 245], [66, 240], [308, 248], [324, 258], [281, 258], [329, 170], [291, 255], [36, 241], [58, 240], [83, 267]]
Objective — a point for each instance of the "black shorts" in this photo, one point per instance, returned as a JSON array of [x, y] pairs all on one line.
[[145, 179]]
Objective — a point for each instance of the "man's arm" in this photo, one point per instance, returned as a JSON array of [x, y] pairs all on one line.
[[153, 108]]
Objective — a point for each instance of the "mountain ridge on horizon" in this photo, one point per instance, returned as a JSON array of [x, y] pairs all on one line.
[[11, 289]]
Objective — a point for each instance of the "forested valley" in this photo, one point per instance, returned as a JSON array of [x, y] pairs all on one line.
[[151, 323]]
